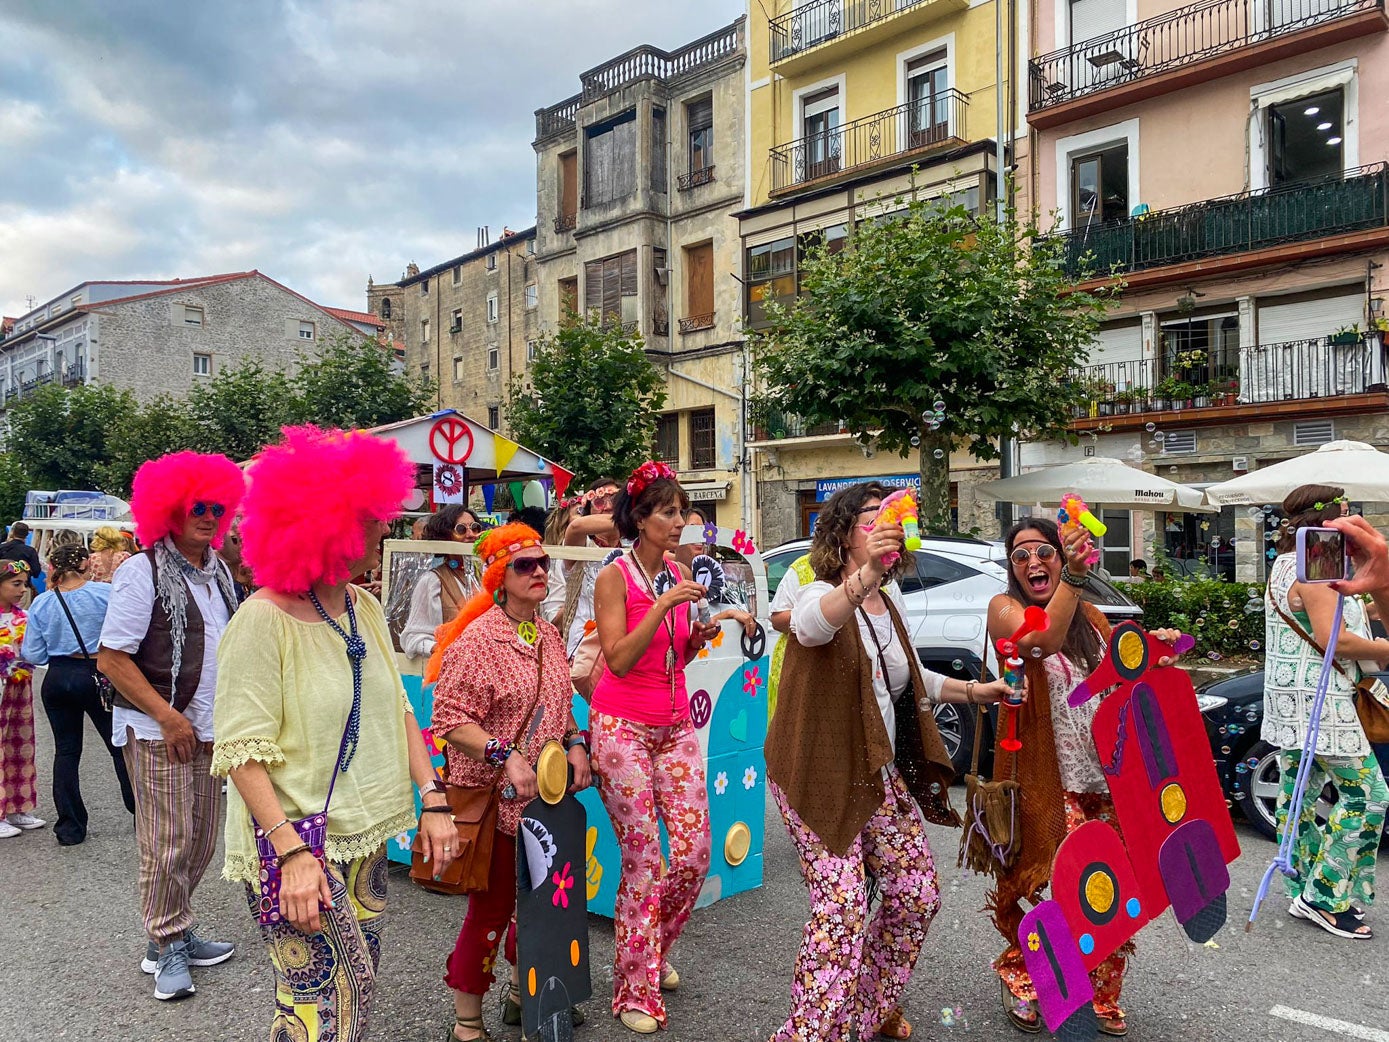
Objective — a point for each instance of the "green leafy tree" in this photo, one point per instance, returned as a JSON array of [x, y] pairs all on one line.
[[589, 400], [156, 428], [240, 409], [14, 483], [64, 438], [355, 382], [925, 306]]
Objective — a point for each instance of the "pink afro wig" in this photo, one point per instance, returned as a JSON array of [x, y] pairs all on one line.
[[309, 499], [165, 489]]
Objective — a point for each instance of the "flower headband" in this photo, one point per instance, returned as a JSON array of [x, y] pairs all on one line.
[[651, 470], [14, 568], [503, 551]]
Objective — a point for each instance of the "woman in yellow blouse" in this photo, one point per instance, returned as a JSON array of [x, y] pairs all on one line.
[[288, 715]]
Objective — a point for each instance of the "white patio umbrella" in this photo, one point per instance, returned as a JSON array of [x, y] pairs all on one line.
[[1362, 470], [1099, 480]]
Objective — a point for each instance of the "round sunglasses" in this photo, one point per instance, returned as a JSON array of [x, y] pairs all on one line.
[[1023, 554], [529, 565], [469, 528], [201, 509]]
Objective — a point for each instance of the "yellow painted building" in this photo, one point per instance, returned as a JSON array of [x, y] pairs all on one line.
[[853, 105]]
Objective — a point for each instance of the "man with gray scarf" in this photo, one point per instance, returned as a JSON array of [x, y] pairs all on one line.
[[169, 606]]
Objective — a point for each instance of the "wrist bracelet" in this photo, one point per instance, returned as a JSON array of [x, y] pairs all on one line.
[[497, 752], [574, 738], [1070, 579], [445, 809], [969, 691], [278, 825], [280, 859]]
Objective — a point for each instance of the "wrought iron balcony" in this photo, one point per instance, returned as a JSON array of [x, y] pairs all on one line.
[[1293, 212], [778, 426], [910, 129], [648, 62], [821, 20], [1175, 40], [1295, 370], [695, 178], [74, 373]]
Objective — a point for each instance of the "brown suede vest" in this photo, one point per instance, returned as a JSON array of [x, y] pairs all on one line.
[[451, 593], [827, 744], [155, 657]]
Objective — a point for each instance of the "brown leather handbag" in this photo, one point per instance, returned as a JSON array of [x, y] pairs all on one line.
[[990, 843], [1374, 714], [475, 820]]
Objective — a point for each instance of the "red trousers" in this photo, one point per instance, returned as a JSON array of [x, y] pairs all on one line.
[[471, 967]]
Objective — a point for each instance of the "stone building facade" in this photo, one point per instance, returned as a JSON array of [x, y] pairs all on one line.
[[638, 175], [469, 324], [162, 337]]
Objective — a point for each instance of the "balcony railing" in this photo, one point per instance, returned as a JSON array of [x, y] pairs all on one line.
[[917, 126], [1295, 370], [777, 426], [1293, 212], [74, 374], [648, 62], [695, 178], [694, 323], [557, 119], [1170, 41], [821, 20]]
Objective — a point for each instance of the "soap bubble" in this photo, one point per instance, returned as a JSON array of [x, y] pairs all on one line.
[[1268, 537], [1272, 553], [916, 441], [1150, 426], [1254, 645], [957, 665], [1234, 624], [1214, 656], [1171, 470], [1152, 445], [1253, 607], [1268, 510], [1241, 769], [927, 416], [1255, 513], [939, 405], [1160, 436], [1252, 762], [935, 425], [1036, 652], [1224, 750], [939, 454]]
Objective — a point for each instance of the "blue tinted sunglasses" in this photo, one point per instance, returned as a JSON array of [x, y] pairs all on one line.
[[215, 509]]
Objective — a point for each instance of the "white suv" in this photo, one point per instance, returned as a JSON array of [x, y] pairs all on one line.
[[947, 614]]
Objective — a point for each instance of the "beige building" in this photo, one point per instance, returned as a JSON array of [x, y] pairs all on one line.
[[638, 174], [469, 324]]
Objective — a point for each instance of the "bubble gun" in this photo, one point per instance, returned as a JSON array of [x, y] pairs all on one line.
[[1034, 620], [900, 509], [1074, 515]]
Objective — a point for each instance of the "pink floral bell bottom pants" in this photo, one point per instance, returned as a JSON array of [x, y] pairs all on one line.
[[649, 775], [851, 969]]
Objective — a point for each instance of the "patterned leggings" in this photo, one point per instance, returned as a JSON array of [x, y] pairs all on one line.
[[1108, 977], [645, 772], [18, 792], [324, 982], [851, 970], [1335, 862]]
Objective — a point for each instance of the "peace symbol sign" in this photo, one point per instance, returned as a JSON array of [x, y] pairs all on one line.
[[451, 440], [755, 645]]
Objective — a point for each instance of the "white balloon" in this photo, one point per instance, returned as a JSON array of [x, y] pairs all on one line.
[[533, 495]]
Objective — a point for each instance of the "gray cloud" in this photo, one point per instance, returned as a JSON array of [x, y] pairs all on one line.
[[316, 140]]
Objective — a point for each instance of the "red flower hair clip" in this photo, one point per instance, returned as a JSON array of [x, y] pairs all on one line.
[[651, 470]]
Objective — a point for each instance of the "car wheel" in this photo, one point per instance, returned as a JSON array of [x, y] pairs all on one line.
[[1256, 791], [957, 732]]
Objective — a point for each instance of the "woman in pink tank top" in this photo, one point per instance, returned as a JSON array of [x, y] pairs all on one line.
[[645, 752]]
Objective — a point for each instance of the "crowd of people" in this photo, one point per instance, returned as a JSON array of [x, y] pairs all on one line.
[[240, 644]]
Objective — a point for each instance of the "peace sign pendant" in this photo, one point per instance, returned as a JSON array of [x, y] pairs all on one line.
[[527, 632]]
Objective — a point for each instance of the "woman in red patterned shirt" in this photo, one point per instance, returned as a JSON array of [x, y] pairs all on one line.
[[492, 662]]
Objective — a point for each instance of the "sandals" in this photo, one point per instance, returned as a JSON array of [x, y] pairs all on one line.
[[1115, 1027], [511, 1008], [896, 1025], [1345, 924], [469, 1024], [1013, 1007]]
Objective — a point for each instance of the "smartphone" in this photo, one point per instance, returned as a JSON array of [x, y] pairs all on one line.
[[1321, 556]]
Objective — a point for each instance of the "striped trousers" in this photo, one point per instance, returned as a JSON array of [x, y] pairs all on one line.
[[177, 812]]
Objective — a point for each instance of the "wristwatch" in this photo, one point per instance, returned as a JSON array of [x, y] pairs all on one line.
[[436, 786], [574, 738]]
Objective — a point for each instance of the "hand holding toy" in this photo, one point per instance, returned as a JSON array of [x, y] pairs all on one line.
[[1034, 620], [900, 509], [1074, 515]]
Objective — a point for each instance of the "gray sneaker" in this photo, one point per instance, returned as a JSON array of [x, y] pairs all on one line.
[[201, 952], [172, 980]]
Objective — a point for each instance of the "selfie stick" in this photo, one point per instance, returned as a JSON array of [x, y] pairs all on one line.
[[1282, 861]]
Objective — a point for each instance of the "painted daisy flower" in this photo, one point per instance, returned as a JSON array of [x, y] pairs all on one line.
[[721, 783], [750, 777]]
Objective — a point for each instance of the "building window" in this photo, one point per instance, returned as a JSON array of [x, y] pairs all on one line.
[[424, 371], [928, 94], [532, 346], [568, 297], [494, 416], [1305, 139], [699, 117], [667, 447], [1100, 186], [424, 287], [385, 307], [610, 289], [530, 247], [532, 295], [424, 331], [658, 150], [610, 160], [568, 191], [457, 369], [306, 330], [699, 288], [202, 365], [493, 311], [457, 274], [822, 146], [771, 274], [457, 325], [491, 262], [494, 358], [703, 452], [192, 316]]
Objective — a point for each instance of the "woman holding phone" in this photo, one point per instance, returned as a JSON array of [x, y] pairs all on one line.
[[1335, 862]]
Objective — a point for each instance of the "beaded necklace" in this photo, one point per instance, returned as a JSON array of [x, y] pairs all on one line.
[[356, 652]]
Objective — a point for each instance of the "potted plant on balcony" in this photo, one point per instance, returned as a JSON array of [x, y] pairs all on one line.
[[1201, 395], [1172, 393], [1124, 401], [1346, 336], [1226, 393]]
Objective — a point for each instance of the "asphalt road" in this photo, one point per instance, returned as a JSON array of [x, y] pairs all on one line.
[[70, 945]]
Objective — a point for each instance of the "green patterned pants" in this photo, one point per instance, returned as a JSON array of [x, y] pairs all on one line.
[[1335, 862]]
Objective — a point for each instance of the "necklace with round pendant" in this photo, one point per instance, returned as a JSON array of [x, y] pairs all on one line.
[[528, 632]]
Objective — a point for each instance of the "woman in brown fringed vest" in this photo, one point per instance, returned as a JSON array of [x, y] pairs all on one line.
[[1063, 785], [442, 590], [854, 762]]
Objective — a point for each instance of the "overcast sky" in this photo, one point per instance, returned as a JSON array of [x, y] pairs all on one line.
[[315, 140]]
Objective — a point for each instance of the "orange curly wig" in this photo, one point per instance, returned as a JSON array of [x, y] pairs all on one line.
[[496, 542], [165, 489]]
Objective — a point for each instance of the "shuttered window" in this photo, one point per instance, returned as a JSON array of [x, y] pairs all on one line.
[[658, 150], [568, 185], [1092, 18], [610, 160], [699, 117], [667, 447], [699, 281], [610, 288], [703, 454]]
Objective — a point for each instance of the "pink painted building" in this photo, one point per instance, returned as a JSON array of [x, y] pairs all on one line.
[[1226, 160]]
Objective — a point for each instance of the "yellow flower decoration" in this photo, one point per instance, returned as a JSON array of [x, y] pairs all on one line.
[[1033, 941]]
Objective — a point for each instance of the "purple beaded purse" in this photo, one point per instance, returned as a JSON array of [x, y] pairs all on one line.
[[313, 830]]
